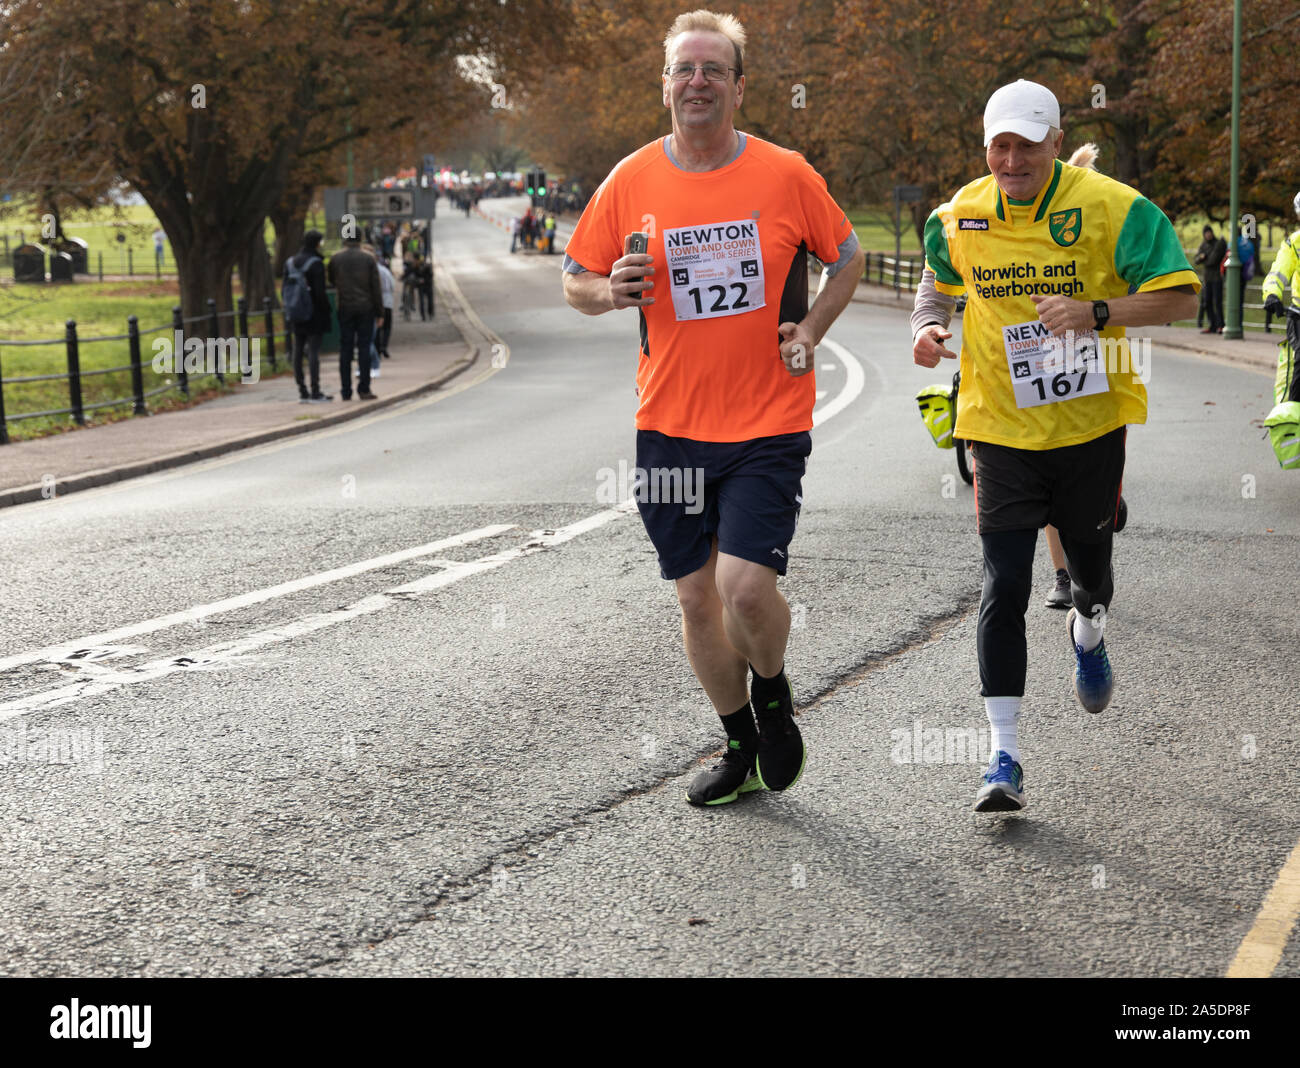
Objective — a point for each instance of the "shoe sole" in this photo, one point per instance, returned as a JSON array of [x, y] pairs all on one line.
[[1069, 630], [747, 787], [1067, 603], [1000, 800]]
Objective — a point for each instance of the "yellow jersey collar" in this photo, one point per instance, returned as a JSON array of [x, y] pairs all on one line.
[[1040, 202]]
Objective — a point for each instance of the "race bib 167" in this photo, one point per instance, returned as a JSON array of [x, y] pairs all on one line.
[[1046, 369]]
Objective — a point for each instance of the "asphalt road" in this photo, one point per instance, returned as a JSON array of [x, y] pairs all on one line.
[[464, 749]]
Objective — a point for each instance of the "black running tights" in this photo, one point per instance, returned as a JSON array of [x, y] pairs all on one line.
[[1008, 577]]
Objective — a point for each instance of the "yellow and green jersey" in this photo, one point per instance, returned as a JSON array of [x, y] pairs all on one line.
[[1084, 236]]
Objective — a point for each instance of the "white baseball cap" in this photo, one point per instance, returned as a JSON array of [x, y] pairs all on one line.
[[1024, 108]]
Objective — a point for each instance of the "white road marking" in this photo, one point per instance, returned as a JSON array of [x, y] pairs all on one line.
[[830, 367], [203, 611], [821, 393], [855, 380], [222, 653]]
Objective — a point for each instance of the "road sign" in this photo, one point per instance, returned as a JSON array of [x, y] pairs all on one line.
[[387, 203], [411, 203], [908, 194]]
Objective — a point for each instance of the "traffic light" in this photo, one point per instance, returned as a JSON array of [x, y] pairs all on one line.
[[536, 184]]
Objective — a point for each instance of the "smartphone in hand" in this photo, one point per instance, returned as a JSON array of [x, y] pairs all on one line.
[[636, 245]]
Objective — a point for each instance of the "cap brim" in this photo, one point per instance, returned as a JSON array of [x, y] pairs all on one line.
[[1031, 131]]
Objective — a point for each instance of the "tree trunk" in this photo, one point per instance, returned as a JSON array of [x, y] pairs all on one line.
[[289, 217], [255, 275], [210, 216]]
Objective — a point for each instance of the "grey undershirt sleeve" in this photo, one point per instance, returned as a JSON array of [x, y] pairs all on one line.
[[931, 305]]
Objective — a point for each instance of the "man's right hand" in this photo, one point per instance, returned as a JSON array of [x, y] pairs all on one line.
[[927, 346], [629, 281]]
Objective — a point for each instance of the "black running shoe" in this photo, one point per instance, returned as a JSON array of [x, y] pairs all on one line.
[[1060, 597], [730, 777], [781, 752]]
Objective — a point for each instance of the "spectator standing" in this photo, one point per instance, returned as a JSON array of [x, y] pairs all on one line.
[[515, 227], [1210, 256], [424, 284], [158, 237], [387, 286], [355, 277], [307, 268]]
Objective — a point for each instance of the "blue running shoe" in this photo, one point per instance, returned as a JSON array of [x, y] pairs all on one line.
[[1004, 786], [1094, 681]]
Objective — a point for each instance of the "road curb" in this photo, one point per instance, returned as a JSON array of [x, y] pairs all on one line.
[[90, 479]]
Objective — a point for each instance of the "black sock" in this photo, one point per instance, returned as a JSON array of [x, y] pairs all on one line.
[[763, 690], [740, 727]]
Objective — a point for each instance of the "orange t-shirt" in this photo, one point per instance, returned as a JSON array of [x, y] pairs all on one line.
[[730, 255]]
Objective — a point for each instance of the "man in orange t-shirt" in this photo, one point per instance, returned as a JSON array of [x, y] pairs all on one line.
[[726, 393]]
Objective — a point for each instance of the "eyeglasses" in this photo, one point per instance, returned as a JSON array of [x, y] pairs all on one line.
[[684, 72]]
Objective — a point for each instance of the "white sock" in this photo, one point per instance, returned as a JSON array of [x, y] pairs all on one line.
[[1003, 713], [1087, 632]]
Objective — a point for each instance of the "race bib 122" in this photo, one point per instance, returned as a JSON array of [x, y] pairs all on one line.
[[715, 270]]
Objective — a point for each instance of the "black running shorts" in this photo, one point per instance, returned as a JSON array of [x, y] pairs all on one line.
[[747, 493], [1075, 488]]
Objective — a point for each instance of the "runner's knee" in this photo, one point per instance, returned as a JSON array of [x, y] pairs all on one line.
[[698, 598]]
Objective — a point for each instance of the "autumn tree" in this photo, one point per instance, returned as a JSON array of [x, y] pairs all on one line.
[[206, 107], [1189, 82]]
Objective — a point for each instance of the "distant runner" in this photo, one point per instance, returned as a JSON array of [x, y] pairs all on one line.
[[725, 377], [1056, 261]]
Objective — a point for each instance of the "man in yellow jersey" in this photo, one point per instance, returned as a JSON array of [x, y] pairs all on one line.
[[1055, 262], [724, 377]]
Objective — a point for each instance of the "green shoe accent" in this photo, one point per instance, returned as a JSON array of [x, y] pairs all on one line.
[[747, 787], [750, 784]]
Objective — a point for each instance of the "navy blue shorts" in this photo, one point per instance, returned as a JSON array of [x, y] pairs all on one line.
[[748, 493]]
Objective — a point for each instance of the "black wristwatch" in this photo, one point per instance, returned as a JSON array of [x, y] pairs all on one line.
[[1100, 314]]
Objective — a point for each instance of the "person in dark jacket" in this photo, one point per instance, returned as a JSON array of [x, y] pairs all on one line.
[[355, 276], [307, 335], [1210, 255], [424, 282]]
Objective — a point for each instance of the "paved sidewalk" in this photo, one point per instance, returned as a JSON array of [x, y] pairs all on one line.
[[424, 357]]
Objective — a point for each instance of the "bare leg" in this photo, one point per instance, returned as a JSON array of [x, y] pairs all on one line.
[[756, 616], [722, 670], [1054, 548]]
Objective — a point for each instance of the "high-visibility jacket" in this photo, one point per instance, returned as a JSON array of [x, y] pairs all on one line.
[[1285, 274]]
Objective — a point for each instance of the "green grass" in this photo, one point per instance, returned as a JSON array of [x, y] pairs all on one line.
[[100, 228], [875, 230], [33, 312]]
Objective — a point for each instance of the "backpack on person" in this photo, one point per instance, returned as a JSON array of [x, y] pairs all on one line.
[[296, 294]]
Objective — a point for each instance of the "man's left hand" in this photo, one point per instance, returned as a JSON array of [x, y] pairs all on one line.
[[1063, 314], [796, 348]]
